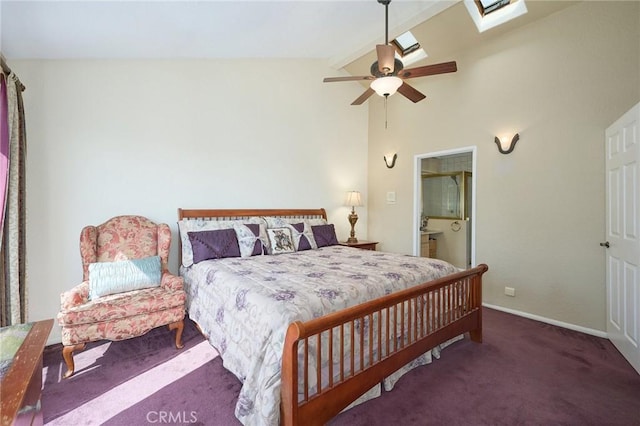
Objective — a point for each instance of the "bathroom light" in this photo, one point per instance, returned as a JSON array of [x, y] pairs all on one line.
[[390, 162], [504, 146], [386, 86]]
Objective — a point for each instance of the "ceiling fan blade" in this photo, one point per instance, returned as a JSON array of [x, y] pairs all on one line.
[[363, 97], [410, 93], [442, 68], [350, 78], [386, 56]]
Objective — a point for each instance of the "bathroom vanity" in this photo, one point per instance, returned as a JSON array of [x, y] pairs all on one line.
[[428, 243]]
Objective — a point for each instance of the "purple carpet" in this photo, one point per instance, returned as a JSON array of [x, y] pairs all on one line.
[[525, 373]]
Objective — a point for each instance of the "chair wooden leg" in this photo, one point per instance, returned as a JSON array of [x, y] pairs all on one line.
[[178, 326], [67, 354]]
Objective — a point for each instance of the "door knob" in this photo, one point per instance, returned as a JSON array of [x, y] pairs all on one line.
[[605, 244]]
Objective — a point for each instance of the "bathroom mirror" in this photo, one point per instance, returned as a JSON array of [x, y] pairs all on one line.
[[446, 195]]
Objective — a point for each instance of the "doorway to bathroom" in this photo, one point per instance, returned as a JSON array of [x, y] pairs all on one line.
[[444, 206]]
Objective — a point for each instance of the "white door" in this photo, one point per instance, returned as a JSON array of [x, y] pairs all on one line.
[[622, 162]]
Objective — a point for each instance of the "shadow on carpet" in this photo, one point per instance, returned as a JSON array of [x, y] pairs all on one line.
[[144, 380]]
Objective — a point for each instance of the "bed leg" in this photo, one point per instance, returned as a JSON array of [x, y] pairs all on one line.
[[476, 335], [476, 303]]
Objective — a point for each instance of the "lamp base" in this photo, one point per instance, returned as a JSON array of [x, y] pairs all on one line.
[[353, 218]]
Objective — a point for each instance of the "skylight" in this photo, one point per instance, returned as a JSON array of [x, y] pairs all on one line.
[[406, 43], [490, 13], [488, 6], [408, 49]]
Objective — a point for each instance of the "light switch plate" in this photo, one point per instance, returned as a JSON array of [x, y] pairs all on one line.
[[391, 197]]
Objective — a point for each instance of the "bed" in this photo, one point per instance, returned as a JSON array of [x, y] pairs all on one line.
[[315, 329]]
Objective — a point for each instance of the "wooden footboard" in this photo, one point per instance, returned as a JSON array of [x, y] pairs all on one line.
[[330, 361]]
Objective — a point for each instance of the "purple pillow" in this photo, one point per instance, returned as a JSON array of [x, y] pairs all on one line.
[[325, 235], [214, 244]]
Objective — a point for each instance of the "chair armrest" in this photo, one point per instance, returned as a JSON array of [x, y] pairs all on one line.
[[79, 295], [171, 282]]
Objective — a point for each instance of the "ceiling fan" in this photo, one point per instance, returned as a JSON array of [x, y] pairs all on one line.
[[388, 73]]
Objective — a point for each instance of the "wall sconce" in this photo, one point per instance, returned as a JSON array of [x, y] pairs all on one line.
[[353, 200], [504, 146], [392, 162]]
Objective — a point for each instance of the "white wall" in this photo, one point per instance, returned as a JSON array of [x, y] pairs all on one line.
[[147, 137], [559, 82]]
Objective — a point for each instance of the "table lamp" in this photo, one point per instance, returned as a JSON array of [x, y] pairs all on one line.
[[354, 199]]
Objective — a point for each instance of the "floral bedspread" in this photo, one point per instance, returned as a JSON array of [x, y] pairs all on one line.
[[245, 305]]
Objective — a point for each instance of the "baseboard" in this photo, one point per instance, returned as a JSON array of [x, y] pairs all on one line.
[[573, 327]]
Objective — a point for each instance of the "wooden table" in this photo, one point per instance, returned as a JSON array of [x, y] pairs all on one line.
[[22, 384], [361, 244]]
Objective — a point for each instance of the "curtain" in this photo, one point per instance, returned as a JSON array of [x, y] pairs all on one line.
[[4, 150], [13, 289]]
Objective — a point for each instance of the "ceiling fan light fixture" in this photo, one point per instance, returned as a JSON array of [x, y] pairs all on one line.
[[386, 86]]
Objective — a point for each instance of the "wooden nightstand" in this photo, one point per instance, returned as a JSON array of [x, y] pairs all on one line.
[[361, 244]]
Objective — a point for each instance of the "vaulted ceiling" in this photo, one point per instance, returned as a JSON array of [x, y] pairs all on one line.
[[201, 29], [340, 31]]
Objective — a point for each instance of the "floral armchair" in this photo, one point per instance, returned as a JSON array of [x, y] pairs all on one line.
[[122, 315]]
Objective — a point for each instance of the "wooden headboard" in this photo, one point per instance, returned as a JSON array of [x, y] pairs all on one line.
[[232, 214]]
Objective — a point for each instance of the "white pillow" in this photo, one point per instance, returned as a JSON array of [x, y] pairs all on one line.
[[280, 240], [250, 243]]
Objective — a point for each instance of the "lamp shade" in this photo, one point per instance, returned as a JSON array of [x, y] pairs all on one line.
[[353, 199], [386, 86]]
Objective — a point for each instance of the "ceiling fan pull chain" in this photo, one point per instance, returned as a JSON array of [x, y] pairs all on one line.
[[385, 110]]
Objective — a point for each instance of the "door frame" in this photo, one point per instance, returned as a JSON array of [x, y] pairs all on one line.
[[417, 191]]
